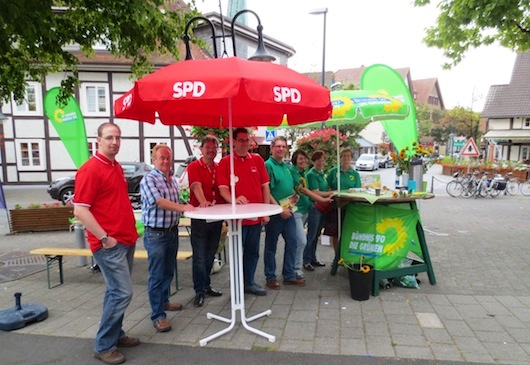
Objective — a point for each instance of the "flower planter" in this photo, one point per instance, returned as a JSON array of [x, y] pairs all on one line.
[[451, 169], [360, 283], [41, 219]]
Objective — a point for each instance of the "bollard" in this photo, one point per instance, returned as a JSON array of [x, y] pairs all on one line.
[[80, 241]]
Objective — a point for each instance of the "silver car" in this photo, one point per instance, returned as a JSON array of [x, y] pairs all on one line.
[[367, 161]]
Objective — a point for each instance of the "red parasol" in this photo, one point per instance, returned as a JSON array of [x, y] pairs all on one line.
[[215, 92]]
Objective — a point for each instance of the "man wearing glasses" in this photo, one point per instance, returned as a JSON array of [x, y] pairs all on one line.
[[252, 186], [102, 204], [282, 193]]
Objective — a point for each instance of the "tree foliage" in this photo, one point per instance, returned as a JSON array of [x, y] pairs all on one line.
[[33, 34], [428, 119], [462, 122], [467, 24]]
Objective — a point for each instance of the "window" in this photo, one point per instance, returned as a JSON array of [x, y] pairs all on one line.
[[32, 104], [527, 122], [30, 155], [95, 99], [92, 147]]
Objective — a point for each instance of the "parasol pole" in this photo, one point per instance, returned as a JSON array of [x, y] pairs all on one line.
[[339, 167], [232, 173]]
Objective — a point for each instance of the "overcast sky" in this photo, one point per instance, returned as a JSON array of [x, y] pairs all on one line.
[[376, 31]]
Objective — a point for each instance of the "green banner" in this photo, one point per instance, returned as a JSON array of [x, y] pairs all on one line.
[[382, 234], [70, 126], [386, 80]]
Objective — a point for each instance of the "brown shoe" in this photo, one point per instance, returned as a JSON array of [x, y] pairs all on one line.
[[162, 325], [273, 284], [110, 357], [295, 281], [127, 341], [173, 306]]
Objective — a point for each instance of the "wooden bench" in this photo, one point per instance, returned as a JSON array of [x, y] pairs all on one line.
[[55, 254]]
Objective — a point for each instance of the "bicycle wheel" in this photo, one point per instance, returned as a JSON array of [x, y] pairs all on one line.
[[494, 193], [525, 188], [454, 188], [512, 186], [469, 190]]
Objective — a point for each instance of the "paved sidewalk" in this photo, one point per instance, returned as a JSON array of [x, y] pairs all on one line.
[[478, 312]]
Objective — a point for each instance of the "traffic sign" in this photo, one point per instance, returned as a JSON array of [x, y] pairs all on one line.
[[270, 135], [470, 149]]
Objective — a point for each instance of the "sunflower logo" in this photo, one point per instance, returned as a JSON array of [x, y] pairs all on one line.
[[341, 106], [393, 227], [394, 106]]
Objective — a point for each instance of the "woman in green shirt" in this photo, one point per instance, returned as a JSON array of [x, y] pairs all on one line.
[[299, 173], [318, 185], [349, 178]]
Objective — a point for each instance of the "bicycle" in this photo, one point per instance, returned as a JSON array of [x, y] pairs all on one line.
[[455, 187], [524, 188]]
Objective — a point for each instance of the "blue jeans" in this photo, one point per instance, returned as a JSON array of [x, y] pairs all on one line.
[[250, 238], [161, 249], [301, 239], [287, 228], [116, 266], [315, 223], [204, 242]]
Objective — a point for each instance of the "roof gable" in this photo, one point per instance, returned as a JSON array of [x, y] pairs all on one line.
[[513, 99]]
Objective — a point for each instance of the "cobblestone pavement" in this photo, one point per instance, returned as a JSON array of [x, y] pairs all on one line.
[[478, 312]]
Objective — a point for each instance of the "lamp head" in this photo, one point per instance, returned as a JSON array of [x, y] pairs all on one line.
[[319, 11], [261, 53]]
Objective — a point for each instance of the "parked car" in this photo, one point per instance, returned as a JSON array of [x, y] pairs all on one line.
[[385, 161], [62, 189], [367, 161]]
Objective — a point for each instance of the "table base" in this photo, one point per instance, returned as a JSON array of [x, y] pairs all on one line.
[[237, 287]]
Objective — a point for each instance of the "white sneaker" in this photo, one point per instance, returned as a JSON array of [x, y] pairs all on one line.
[[300, 274]]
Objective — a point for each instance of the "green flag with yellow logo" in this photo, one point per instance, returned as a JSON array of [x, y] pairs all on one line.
[[70, 125]]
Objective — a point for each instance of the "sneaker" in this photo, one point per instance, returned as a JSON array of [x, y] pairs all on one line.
[[317, 263], [127, 341], [300, 275], [173, 306], [273, 284], [162, 325], [256, 290], [295, 281], [110, 357], [309, 267]]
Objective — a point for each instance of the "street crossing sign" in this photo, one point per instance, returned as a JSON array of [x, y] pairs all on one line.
[[270, 135], [470, 149]]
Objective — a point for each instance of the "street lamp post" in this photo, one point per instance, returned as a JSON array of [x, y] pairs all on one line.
[[261, 53], [325, 12]]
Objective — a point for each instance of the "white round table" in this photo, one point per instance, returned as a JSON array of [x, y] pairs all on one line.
[[234, 214]]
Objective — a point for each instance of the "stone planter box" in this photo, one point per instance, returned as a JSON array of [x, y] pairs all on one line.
[[41, 219], [451, 169]]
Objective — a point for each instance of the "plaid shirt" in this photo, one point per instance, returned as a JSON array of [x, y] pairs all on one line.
[[152, 187]]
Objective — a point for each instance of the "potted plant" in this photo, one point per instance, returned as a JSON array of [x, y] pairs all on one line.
[[361, 278]]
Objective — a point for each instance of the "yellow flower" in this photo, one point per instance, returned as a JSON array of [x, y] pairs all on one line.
[[365, 269]]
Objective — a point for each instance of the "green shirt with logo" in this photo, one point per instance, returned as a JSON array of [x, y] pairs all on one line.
[[349, 179], [281, 180]]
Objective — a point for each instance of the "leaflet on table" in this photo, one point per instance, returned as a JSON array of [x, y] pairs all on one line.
[[290, 202]]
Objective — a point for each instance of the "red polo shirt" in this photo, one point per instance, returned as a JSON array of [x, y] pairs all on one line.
[[101, 186], [252, 175], [200, 173]]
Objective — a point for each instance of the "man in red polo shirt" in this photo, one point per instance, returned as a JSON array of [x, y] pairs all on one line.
[[204, 235], [252, 186], [102, 204]]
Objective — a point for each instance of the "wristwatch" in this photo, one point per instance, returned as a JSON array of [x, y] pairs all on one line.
[[104, 239]]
